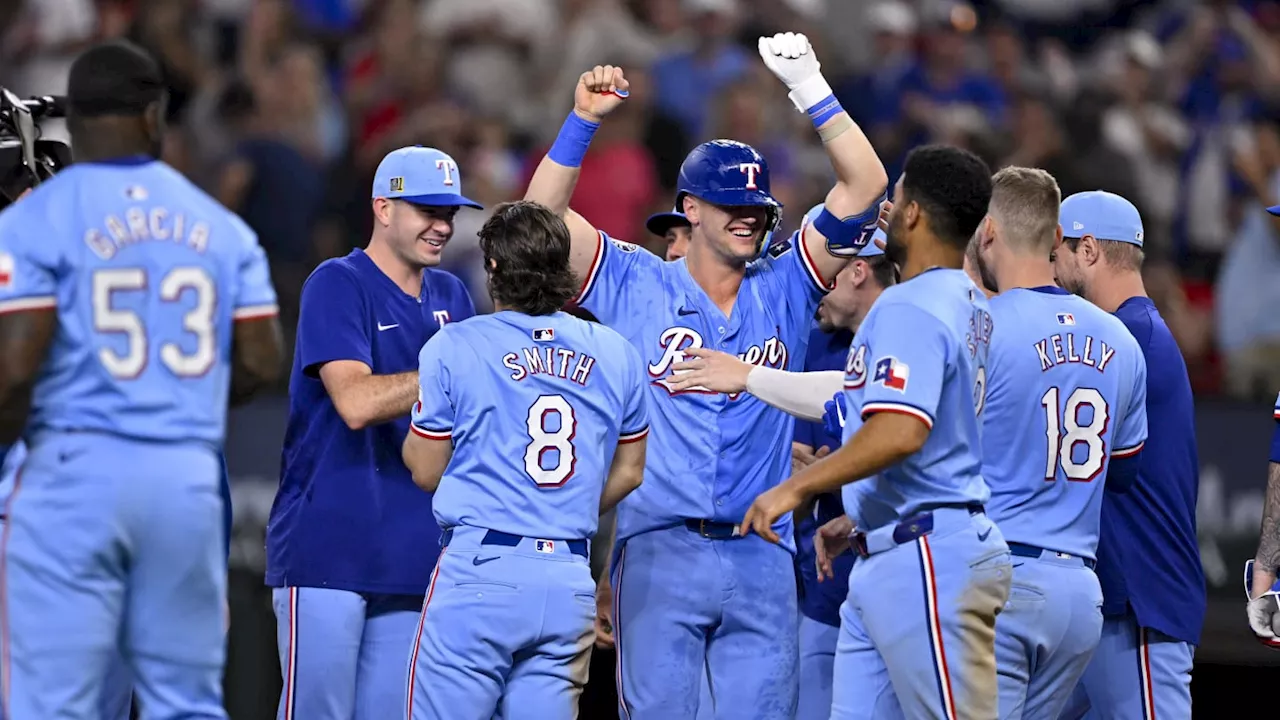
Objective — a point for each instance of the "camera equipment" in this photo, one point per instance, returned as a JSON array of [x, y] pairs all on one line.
[[26, 160]]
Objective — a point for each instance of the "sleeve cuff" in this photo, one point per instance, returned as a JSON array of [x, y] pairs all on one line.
[[431, 434], [872, 408], [810, 267], [24, 304], [255, 312], [590, 280], [633, 436]]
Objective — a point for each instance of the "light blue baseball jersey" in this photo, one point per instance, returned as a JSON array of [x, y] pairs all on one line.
[[1066, 392], [536, 406], [147, 274], [921, 351], [711, 454]]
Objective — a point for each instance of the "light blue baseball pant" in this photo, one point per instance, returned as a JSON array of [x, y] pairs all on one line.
[[1136, 674], [342, 654], [682, 602], [1047, 632], [706, 702], [506, 628], [110, 552], [818, 643], [917, 632]]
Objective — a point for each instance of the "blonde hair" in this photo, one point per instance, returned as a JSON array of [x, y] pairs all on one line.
[[1026, 201]]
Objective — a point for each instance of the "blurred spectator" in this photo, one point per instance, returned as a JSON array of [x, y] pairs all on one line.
[[687, 81]]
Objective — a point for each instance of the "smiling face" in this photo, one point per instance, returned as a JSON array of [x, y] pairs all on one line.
[[417, 234], [733, 232], [677, 238]]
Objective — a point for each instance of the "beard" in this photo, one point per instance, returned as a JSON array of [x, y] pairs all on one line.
[[984, 272], [894, 249]]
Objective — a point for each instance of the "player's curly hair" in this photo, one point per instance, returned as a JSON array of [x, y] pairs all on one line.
[[526, 255], [953, 188]]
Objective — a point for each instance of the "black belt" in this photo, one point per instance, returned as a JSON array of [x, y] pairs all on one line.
[[501, 539], [712, 529], [912, 528], [1031, 551]]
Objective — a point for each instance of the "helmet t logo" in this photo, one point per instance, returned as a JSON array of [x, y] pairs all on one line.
[[750, 169]]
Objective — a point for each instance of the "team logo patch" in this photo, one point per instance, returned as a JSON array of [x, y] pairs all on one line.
[[397, 184], [779, 248], [6, 271], [544, 334], [1076, 225], [545, 546], [625, 247], [1066, 319], [892, 373], [855, 368]]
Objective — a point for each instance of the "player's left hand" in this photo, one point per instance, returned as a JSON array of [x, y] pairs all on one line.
[[790, 57], [604, 613], [767, 508], [710, 370], [1264, 604]]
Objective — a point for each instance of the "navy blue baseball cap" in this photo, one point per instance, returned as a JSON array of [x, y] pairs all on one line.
[[422, 176], [1104, 215], [660, 223], [1274, 210], [871, 249]]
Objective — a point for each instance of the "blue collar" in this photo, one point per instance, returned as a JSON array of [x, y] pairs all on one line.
[[1049, 290], [125, 161]]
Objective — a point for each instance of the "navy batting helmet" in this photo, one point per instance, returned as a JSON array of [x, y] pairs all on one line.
[[729, 173]]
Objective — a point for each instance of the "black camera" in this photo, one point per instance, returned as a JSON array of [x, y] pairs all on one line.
[[27, 159]]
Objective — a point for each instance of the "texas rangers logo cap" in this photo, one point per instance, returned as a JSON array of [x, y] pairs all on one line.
[[1104, 215], [422, 176]]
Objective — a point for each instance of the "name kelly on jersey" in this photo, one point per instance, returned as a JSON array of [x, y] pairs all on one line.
[[1060, 349]]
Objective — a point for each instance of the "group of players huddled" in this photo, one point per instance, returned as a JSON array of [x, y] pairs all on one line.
[[992, 478]]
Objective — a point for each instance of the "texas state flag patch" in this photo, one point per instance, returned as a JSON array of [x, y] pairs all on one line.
[[892, 373]]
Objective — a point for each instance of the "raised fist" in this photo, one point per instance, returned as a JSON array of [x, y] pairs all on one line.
[[600, 90]]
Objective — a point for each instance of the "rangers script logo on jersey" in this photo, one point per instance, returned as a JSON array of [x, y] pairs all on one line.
[[676, 340]]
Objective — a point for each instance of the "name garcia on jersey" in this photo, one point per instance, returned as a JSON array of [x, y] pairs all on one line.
[[154, 224], [675, 341], [1061, 349]]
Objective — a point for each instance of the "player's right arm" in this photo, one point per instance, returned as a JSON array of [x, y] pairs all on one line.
[[626, 471], [800, 394], [1267, 559], [333, 342], [599, 92], [428, 447], [1131, 435]]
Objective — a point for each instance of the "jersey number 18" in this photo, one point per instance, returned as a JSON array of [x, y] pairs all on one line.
[[1065, 433]]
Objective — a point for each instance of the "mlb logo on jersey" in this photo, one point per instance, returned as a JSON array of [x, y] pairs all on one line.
[[545, 546], [892, 374], [1066, 319], [544, 334]]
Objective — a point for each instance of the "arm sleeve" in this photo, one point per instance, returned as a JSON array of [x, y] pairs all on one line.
[[28, 259], [433, 414], [620, 278], [803, 395], [1275, 437], [255, 296], [635, 421], [1132, 432], [906, 367], [332, 321]]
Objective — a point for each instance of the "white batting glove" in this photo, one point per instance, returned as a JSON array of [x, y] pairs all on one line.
[[791, 58], [1263, 611]]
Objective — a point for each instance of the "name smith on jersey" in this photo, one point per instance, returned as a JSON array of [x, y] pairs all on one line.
[[562, 363]]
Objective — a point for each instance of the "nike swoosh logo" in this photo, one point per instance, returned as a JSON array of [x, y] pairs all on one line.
[[983, 536], [481, 561], [382, 327], [682, 311]]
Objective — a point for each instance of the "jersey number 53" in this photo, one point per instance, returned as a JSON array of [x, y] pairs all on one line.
[[199, 321]]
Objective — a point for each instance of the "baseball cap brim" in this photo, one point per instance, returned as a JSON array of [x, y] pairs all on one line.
[[439, 200], [660, 223], [1274, 210]]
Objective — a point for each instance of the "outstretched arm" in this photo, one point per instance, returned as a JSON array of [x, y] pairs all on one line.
[[1267, 559], [853, 204], [599, 92], [799, 394]]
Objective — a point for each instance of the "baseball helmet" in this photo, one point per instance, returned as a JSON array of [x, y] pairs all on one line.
[[729, 173]]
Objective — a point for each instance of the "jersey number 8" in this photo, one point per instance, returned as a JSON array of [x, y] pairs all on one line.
[[198, 321], [543, 440], [1065, 434]]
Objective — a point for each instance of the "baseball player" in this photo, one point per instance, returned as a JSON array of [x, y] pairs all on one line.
[[917, 636], [674, 228], [1260, 585], [537, 421], [1065, 413], [132, 305], [1153, 612], [348, 552], [839, 314], [689, 589]]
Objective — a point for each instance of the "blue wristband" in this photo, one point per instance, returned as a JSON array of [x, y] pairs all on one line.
[[825, 109], [572, 142]]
